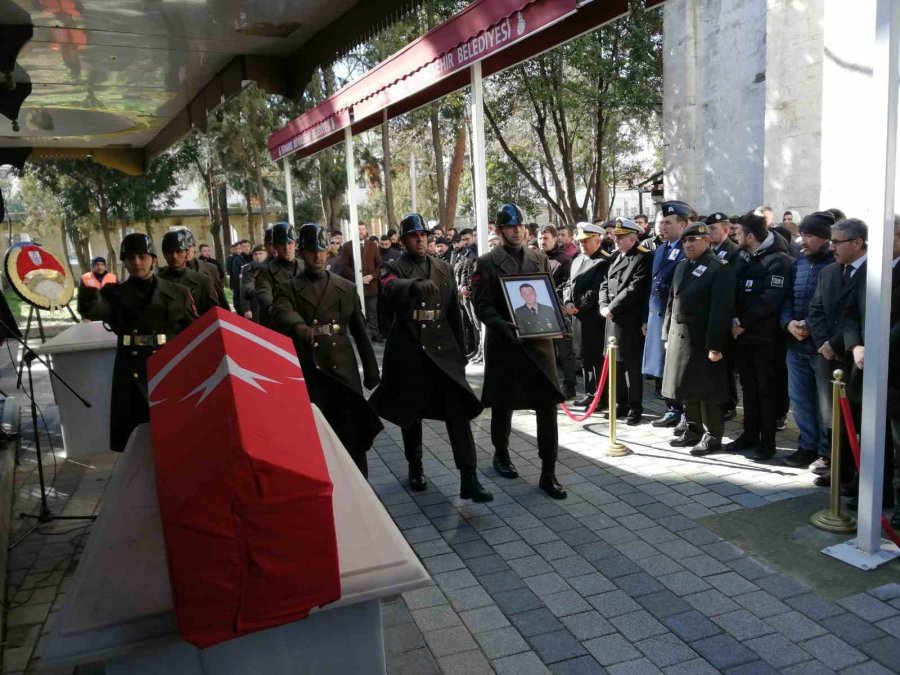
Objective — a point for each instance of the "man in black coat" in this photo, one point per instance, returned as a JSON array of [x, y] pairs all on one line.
[[624, 298], [518, 374], [581, 297], [143, 312], [560, 268], [763, 274], [719, 226], [284, 267], [319, 311], [695, 330], [424, 373], [209, 270], [175, 250]]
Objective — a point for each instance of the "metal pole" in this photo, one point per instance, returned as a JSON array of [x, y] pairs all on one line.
[[616, 449], [412, 183], [831, 519], [878, 297], [288, 188], [479, 163], [354, 217]]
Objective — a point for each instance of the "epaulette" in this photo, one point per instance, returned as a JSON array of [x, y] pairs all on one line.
[[643, 250], [605, 254], [389, 267]]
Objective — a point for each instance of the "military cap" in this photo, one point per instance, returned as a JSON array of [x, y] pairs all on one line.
[[282, 233], [818, 224], [717, 217], [698, 229], [412, 222], [176, 240], [311, 237], [588, 230], [267, 234], [509, 215], [676, 208], [625, 226], [136, 243], [190, 237], [98, 259]]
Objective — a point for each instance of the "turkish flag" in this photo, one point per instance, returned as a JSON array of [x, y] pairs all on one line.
[[244, 490]]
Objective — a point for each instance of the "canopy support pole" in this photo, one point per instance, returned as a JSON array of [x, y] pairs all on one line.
[[479, 162], [354, 217], [289, 192], [878, 297]]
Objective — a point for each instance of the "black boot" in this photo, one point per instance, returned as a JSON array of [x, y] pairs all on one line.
[[549, 485], [470, 488], [504, 466], [417, 481]]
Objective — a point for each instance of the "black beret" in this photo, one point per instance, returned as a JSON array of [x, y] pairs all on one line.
[[818, 224], [716, 217], [695, 230]]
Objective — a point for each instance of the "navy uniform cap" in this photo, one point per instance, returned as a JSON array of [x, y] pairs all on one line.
[[676, 208], [625, 226]]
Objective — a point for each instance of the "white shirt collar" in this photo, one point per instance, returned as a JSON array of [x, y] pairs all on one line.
[[896, 260], [856, 264]]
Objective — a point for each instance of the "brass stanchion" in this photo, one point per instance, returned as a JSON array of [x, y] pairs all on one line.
[[616, 449], [831, 519]]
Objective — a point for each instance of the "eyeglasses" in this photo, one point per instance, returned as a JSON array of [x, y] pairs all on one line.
[[835, 242]]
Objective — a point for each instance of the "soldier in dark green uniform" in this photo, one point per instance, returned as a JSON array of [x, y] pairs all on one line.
[[696, 329], [319, 311], [424, 363], [284, 267], [143, 312], [208, 269], [518, 374], [175, 250], [533, 317]]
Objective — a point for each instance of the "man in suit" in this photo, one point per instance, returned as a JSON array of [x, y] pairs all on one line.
[[320, 311], [371, 264], [144, 311], [518, 374], [581, 297], [195, 264], [280, 269], [424, 363], [560, 269], [676, 216], [623, 303], [696, 328], [175, 250]]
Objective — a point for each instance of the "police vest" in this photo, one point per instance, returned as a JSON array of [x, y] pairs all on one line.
[[90, 281]]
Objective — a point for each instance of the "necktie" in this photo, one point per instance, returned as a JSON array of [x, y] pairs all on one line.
[[848, 270], [534, 310]]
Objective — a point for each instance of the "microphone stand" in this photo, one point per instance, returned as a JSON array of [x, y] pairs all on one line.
[[44, 515]]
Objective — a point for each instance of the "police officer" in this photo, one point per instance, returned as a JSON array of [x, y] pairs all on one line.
[[143, 312], [175, 251], [676, 215], [763, 272], [697, 326], [424, 367], [623, 303], [208, 269], [284, 267], [319, 311], [518, 374]]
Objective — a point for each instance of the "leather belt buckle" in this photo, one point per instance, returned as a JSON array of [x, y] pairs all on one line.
[[143, 340], [426, 314], [328, 329]]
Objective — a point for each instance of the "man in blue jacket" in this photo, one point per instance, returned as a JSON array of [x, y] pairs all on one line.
[[809, 375]]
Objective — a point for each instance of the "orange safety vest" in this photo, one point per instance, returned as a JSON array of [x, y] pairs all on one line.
[[90, 281]]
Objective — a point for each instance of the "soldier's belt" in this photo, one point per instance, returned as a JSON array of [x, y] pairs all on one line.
[[426, 314], [143, 340], [330, 329]]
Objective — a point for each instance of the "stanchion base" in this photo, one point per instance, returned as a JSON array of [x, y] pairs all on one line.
[[841, 524], [849, 553], [617, 450]]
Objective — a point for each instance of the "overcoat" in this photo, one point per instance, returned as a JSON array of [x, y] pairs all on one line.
[[328, 361], [665, 259], [214, 274], [518, 374], [583, 291], [126, 310], [625, 292], [200, 286], [271, 274], [407, 389]]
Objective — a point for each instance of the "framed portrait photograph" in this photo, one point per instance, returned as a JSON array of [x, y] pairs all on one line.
[[533, 305]]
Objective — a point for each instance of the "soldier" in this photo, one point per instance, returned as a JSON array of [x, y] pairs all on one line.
[[143, 312], [676, 215], [424, 363], [518, 374], [196, 265], [317, 309], [696, 328], [581, 298], [623, 303], [175, 251], [282, 268], [261, 253]]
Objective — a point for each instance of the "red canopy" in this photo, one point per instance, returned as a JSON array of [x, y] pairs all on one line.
[[499, 33]]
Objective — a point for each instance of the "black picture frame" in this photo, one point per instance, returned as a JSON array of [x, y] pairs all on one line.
[[548, 320]]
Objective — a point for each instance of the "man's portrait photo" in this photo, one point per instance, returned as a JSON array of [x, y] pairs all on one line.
[[534, 307]]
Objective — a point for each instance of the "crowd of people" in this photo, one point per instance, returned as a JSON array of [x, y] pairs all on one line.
[[696, 304]]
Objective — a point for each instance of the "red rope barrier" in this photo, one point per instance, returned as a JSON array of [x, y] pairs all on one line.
[[855, 449], [600, 387]]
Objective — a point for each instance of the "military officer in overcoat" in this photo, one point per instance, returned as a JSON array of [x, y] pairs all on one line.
[[143, 312], [207, 269], [623, 303], [175, 250], [697, 327], [518, 374], [424, 372], [282, 268], [581, 297], [676, 215], [320, 311]]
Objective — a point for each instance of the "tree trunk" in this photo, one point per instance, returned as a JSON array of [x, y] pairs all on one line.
[[261, 188], [438, 156], [388, 179], [335, 202], [65, 249], [80, 243], [222, 199], [448, 216], [107, 236], [215, 226], [249, 217]]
